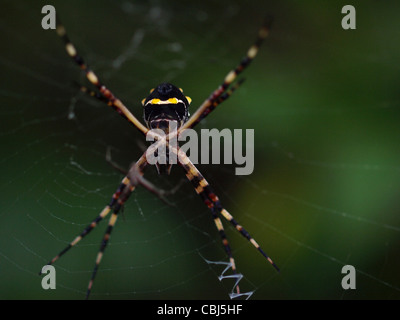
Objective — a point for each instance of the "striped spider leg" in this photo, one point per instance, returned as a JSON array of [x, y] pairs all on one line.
[[204, 190], [105, 94], [121, 195], [217, 96]]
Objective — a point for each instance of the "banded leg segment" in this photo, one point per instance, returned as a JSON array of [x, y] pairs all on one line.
[[133, 179], [212, 201], [199, 184], [109, 97], [95, 221], [94, 94], [221, 99], [117, 201], [117, 204], [239, 228], [111, 223], [209, 104]]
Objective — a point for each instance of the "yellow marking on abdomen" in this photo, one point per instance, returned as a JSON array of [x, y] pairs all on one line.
[[173, 100]]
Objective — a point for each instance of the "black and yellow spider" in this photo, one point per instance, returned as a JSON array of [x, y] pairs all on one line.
[[166, 104]]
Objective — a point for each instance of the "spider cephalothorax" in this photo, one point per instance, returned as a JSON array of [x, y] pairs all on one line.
[[164, 104]]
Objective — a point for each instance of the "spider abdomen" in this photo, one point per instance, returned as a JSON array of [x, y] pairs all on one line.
[[165, 103]]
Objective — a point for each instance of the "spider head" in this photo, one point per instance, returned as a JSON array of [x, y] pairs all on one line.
[[166, 103]]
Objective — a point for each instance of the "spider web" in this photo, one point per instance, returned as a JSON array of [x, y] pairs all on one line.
[[324, 105]]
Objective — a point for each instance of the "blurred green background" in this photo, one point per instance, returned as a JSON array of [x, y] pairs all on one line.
[[324, 104]]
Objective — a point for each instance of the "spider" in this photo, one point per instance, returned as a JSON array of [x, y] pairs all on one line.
[[165, 105]]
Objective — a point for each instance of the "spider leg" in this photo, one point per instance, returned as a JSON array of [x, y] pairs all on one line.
[[118, 199], [94, 223], [209, 104], [134, 177], [198, 182], [212, 201], [220, 99], [137, 176], [111, 223], [227, 93], [112, 100], [92, 93], [114, 164]]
